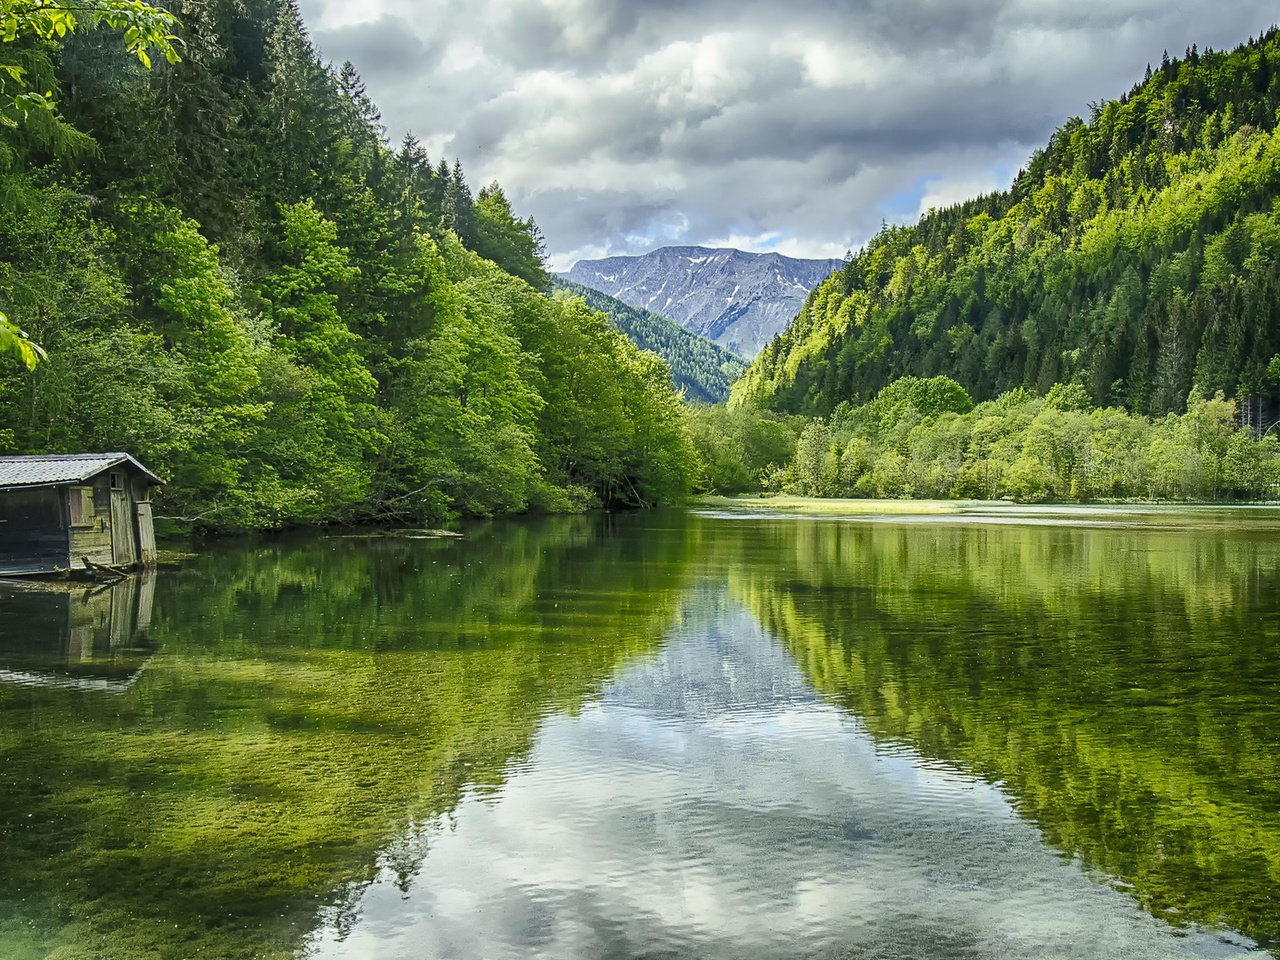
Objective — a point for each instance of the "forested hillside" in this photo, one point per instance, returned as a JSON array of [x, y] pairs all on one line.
[[238, 280], [701, 368], [1138, 256]]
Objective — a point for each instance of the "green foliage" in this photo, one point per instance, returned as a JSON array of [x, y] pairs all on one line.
[[1135, 259], [310, 326], [325, 435], [512, 243], [659, 462], [923, 439], [215, 403], [15, 342], [467, 412], [28, 26], [701, 368], [146, 30], [740, 450], [145, 27]]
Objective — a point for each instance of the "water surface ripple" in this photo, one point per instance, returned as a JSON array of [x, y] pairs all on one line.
[[711, 804]]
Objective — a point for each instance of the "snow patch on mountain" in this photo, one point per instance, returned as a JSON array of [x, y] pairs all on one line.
[[740, 300]]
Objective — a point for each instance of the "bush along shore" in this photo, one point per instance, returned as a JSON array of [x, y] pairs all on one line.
[[927, 439]]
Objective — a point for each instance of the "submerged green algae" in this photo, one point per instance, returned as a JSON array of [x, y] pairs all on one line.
[[305, 705]]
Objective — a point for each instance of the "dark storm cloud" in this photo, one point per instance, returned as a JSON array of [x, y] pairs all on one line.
[[811, 122], [621, 125], [627, 127], [384, 49], [618, 212], [533, 34]]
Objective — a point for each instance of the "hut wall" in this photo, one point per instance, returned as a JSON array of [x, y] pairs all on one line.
[[144, 524], [91, 532]]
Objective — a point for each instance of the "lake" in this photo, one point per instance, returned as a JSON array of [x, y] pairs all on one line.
[[1039, 733]]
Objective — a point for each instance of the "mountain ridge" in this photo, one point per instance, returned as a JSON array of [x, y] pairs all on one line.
[[737, 299], [1136, 255], [702, 368]]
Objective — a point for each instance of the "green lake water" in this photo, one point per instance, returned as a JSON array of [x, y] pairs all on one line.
[[1011, 733]]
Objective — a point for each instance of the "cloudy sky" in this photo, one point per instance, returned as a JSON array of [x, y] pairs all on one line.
[[624, 125]]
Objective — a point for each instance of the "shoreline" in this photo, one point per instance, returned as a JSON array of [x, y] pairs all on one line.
[[1116, 512]]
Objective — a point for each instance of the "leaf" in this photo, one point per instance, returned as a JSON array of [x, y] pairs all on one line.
[[15, 342]]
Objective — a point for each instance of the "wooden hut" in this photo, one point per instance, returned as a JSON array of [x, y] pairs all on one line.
[[57, 511]]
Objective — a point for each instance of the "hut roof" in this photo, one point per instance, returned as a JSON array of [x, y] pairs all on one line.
[[54, 470]]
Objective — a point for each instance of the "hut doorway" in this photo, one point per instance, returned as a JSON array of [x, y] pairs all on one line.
[[122, 536]]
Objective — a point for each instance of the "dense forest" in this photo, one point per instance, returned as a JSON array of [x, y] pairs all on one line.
[[700, 368], [928, 439], [234, 276], [1135, 257]]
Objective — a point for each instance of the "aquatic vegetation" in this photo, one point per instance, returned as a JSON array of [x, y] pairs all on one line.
[[307, 705]]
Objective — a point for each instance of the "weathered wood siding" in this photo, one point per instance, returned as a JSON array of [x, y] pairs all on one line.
[[146, 534], [124, 536], [92, 537]]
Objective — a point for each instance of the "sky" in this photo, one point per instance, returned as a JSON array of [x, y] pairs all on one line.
[[626, 125]]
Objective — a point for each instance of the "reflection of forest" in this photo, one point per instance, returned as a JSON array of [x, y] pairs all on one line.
[[308, 703], [1121, 685]]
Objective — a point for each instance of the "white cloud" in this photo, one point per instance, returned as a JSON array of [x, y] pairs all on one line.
[[620, 124]]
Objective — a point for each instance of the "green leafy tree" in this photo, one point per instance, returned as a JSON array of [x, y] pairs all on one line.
[[296, 333], [147, 30], [1018, 446], [324, 431], [514, 244], [25, 83], [701, 368], [1134, 257]]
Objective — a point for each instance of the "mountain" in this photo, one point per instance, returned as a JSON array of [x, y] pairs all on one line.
[[739, 300], [1136, 256], [703, 369]]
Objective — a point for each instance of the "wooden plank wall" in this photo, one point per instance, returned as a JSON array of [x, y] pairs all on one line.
[[146, 535], [93, 539]]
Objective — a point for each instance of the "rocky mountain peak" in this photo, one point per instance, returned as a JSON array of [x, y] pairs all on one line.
[[740, 300]]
